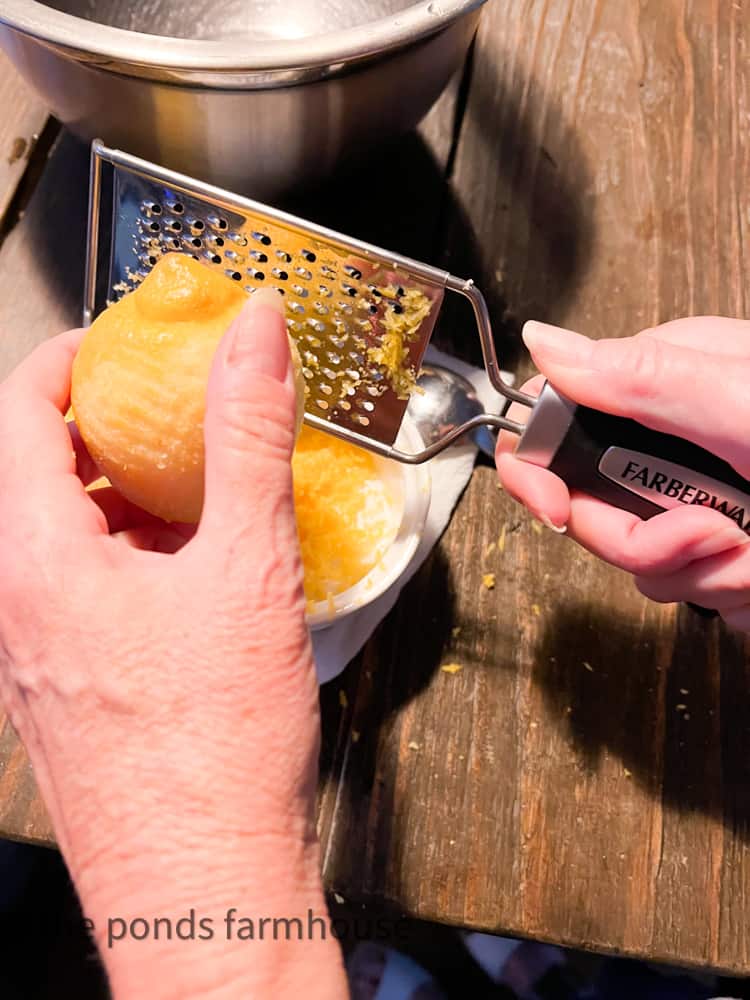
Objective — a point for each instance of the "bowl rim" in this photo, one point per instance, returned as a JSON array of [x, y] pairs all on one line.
[[417, 499], [331, 49]]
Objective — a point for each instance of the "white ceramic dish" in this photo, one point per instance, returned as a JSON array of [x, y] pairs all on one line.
[[410, 487]]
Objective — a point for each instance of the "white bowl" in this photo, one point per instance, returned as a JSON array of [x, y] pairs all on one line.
[[410, 487]]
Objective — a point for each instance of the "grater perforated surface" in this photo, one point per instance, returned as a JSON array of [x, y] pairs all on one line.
[[340, 305], [362, 316]]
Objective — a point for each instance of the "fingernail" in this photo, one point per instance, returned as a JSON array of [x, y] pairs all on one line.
[[266, 297], [560, 529], [259, 342], [556, 345]]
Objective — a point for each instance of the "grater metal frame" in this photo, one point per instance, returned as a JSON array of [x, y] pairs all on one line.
[[118, 159]]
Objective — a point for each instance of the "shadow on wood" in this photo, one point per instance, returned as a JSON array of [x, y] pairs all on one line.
[[368, 707], [686, 742], [531, 231]]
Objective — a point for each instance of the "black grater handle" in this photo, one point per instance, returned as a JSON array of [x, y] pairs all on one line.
[[627, 465]]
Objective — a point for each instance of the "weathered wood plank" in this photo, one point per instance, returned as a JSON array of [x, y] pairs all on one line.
[[584, 777], [22, 120], [42, 258]]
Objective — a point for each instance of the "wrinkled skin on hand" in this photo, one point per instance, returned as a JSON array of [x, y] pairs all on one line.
[[689, 378], [164, 684]]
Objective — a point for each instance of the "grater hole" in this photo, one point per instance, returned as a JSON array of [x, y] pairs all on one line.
[[258, 255], [178, 208], [367, 405], [213, 257], [257, 275], [353, 272], [296, 307], [322, 403], [325, 291], [397, 308], [348, 289], [284, 256], [280, 290], [309, 256], [197, 225], [234, 275], [238, 239], [303, 273], [197, 243], [218, 223], [299, 290], [327, 272], [261, 238], [360, 418], [174, 226], [154, 227], [281, 275]]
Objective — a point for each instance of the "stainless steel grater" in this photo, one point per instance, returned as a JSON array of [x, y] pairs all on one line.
[[343, 297]]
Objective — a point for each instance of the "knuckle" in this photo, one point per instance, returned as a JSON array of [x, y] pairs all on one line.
[[263, 426], [638, 362]]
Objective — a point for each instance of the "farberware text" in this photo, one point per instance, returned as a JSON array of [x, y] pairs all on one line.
[[684, 492]]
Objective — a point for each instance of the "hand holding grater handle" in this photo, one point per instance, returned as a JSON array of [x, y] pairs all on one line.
[[628, 465]]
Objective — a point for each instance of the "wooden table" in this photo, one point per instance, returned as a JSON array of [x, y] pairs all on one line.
[[584, 778]]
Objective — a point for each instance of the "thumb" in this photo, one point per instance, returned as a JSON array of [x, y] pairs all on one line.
[[670, 388], [249, 424]]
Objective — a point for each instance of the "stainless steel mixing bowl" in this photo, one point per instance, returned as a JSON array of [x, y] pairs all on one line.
[[260, 96]]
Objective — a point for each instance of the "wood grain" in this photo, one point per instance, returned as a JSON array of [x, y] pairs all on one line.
[[583, 777], [42, 257], [21, 122]]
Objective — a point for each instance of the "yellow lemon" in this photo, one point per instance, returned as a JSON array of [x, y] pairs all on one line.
[[139, 384]]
